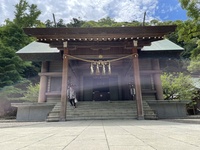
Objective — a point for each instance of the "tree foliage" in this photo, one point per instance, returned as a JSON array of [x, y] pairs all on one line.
[[26, 15], [177, 86], [192, 7], [189, 32], [104, 22], [11, 66], [32, 92], [75, 22], [194, 66], [12, 38], [8, 91]]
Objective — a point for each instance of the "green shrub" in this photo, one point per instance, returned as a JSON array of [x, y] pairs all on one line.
[[32, 92], [9, 93], [177, 86]]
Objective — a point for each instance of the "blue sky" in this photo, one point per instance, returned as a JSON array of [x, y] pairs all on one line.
[[170, 10], [119, 10]]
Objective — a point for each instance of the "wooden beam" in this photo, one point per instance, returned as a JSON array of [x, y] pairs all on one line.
[[53, 93], [151, 72], [64, 97], [100, 45], [100, 33], [50, 74], [136, 72]]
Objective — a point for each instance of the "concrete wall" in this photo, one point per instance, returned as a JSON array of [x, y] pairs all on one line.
[[33, 112], [168, 109]]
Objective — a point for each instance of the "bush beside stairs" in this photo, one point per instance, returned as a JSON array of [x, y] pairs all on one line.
[[91, 110]]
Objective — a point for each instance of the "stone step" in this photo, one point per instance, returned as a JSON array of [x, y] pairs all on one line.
[[55, 119], [101, 110], [100, 118], [106, 103], [97, 113], [150, 117]]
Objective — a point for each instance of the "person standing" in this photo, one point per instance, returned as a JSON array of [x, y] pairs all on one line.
[[72, 96]]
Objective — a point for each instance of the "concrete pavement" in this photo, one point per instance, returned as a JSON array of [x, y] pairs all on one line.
[[100, 135]]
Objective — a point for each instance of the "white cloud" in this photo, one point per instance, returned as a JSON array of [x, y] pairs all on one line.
[[7, 9], [120, 10]]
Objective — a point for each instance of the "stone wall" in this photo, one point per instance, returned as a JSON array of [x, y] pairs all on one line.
[[168, 109]]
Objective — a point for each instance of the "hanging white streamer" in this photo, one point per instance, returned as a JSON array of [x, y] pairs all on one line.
[[91, 69], [109, 68], [97, 69], [104, 69]]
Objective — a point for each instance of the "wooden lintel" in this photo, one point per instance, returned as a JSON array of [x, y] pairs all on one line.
[[51, 74], [148, 91], [150, 72], [53, 94], [100, 45]]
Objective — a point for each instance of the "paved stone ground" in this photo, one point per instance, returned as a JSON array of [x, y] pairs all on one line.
[[101, 135]]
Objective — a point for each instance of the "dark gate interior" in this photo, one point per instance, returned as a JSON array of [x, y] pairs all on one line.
[[101, 90]]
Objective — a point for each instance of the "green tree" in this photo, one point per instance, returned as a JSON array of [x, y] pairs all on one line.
[[192, 7], [76, 22], [60, 24], [106, 22], [89, 24], [13, 38], [189, 31], [154, 22], [11, 66], [194, 66], [12, 34], [49, 24], [177, 86], [26, 15]]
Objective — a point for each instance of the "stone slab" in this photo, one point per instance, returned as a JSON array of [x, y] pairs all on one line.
[[101, 135], [33, 111]]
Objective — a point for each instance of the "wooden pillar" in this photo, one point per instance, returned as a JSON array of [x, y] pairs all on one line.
[[43, 83], [64, 84], [138, 92], [157, 80]]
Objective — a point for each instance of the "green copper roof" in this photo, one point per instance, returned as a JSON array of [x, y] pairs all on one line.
[[162, 45], [38, 51], [38, 47]]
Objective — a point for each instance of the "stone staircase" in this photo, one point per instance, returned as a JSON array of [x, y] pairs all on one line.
[[88, 110]]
